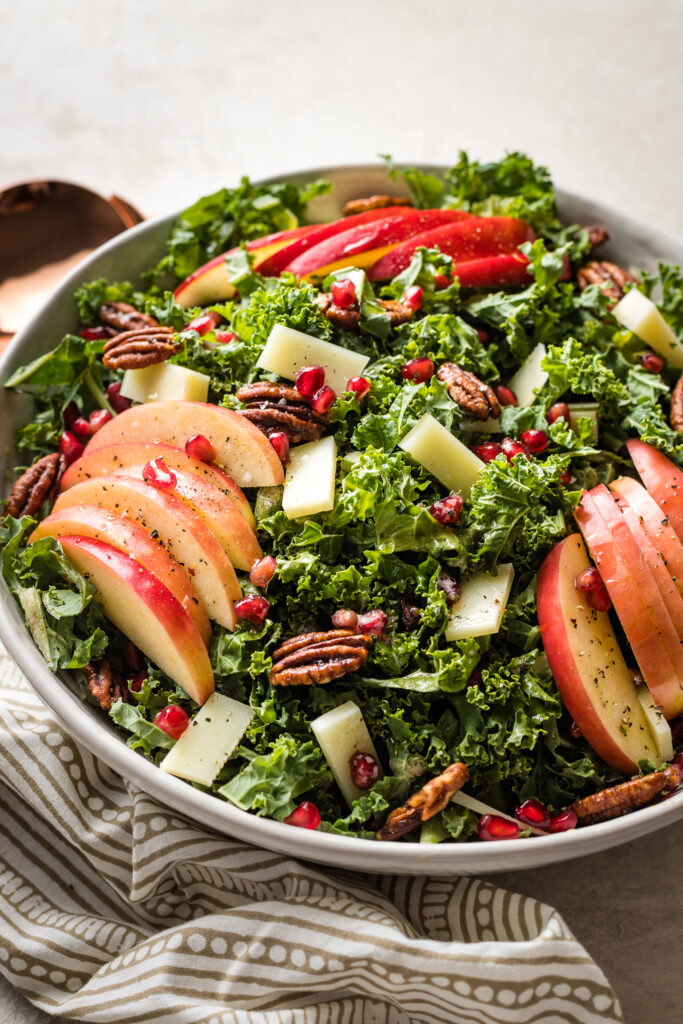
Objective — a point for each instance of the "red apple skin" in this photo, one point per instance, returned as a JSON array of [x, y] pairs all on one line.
[[635, 597], [146, 612], [663, 479], [508, 271], [242, 451], [117, 457], [133, 539], [464, 241], [589, 669], [654, 523], [276, 263], [375, 237]]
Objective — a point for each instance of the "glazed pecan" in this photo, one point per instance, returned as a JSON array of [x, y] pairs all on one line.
[[145, 346], [278, 407], [676, 415], [39, 483], [627, 796], [410, 614], [374, 203], [124, 317], [597, 235], [105, 685], [319, 657], [610, 278], [349, 319], [424, 804], [472, 395]]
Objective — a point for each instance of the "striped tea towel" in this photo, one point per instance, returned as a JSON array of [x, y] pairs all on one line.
[[113, 908]]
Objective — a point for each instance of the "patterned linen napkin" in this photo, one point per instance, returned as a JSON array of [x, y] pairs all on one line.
[[112, 908]]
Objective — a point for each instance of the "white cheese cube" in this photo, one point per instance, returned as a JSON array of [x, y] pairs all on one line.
[[165, 382], [342, 733], [442, 455], [310, 477], [209, 740], [659, 727], [639, 314], [530, 377], [581, 410], [287, 350], [479, 611]]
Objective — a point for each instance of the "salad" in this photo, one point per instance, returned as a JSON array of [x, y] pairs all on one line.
[[372, 526]]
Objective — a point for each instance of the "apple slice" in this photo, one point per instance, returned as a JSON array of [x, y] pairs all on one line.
[[146, 612], [117, 457], [471, 238], [663, 479], [595, 683], [631, 586], [241, 449], [657, 526], [130, 537], [182, 532], [494, 272], [363, 245]]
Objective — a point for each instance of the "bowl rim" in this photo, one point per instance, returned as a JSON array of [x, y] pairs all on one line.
[[208, 809]]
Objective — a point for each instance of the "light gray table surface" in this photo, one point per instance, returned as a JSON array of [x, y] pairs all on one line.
[[161, 102]]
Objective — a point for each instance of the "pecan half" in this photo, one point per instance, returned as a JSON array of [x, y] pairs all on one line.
[[597, 235], [279, 407], [318, 658], [676, 415], [145, 346], [39, 483], [424, 804], [471, 394], [374, 203], [627, 796], [105, 686], [124, 317], [349, 319], [610, 278]]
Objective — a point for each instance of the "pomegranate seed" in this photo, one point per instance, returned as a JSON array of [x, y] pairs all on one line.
[[98, 418], [563, 822], [487, 451], [199, 447], [449, 587], [599, 599], [345, 618], [575, 732], [512, 448], [81, 428], [262, 571], [447, 511], [676, 729], [419, 370], [133, 657], [532, 812], [225, 337], [70, 447], [441, 281], [70, 414], [254, 609], [135, 682], [587, 580], [95, 333], [535, 440], [323, 400], [559, 411], [373, 622], [364, 770], [360, 387], [306, 815], [483, 338], [343, 292], [157, 473], [651, 362], [490, 828], [118, 402], [172, 720], [309, 379], [412, 297], [505, 395], [566, 479], [677, 763], [204, 323], [280, 443]]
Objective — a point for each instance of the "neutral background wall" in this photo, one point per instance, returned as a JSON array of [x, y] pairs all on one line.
[[161, 101]]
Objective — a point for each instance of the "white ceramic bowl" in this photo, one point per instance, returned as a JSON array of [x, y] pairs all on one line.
[[124, 258]]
